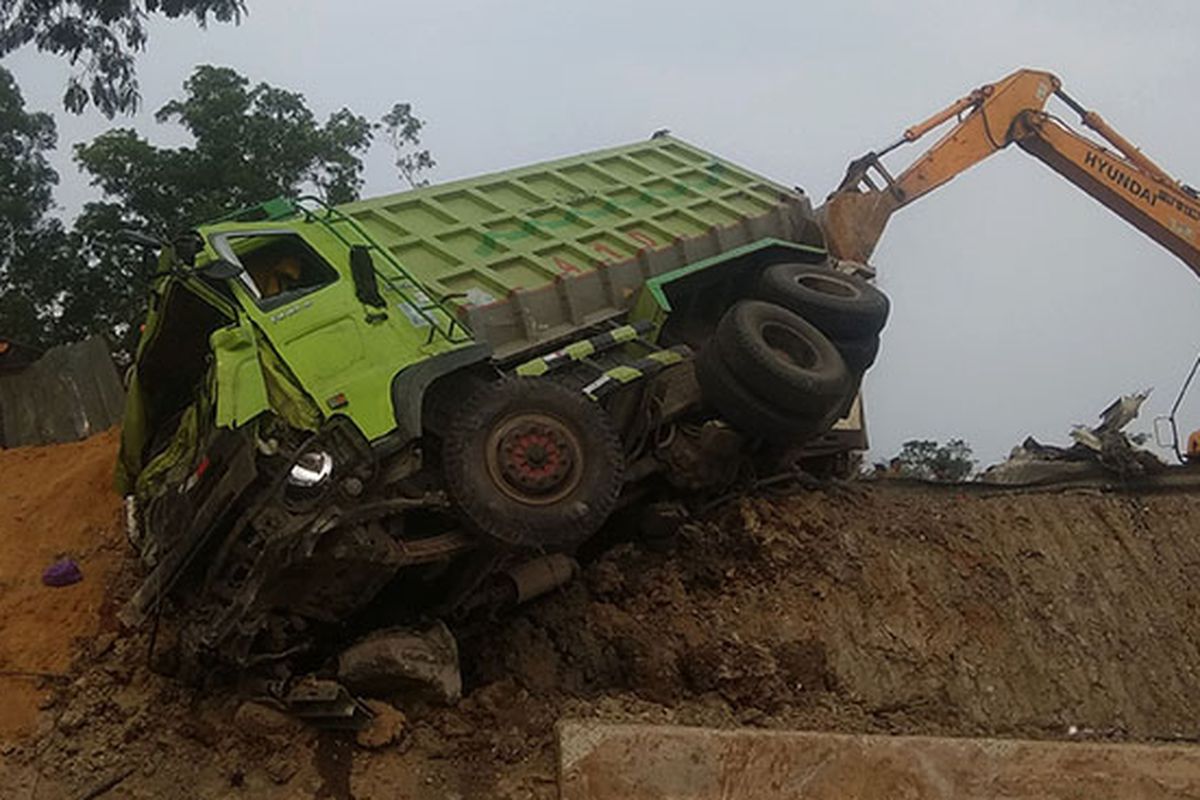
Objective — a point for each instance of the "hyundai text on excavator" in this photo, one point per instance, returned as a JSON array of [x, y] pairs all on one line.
[[989, 119]]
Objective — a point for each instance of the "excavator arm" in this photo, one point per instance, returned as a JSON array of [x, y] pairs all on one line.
[[988, 120]]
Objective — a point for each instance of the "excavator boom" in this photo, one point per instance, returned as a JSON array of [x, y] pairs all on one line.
[[988, 120], [1167, 212]]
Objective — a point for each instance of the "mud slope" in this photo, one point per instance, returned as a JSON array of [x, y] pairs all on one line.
[[898, 609], [881, 608], [54, 501]]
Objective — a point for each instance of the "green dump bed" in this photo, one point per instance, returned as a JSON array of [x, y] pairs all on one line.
[[532, 255]]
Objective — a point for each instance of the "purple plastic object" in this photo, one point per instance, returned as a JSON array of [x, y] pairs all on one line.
[[62, 573]]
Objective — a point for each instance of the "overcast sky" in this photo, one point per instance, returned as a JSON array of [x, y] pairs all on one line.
[[1020, 305]]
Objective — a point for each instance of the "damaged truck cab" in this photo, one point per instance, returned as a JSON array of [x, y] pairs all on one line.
[[380, 410]]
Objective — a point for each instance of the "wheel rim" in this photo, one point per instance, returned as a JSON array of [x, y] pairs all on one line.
[[827, 285], [789, 346], [535, 459]]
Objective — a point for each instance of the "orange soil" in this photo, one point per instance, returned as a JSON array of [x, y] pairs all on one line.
[[54, 501]]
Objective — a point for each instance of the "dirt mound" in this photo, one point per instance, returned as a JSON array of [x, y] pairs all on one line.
[[57, 501], [882, 609], [891, 610]]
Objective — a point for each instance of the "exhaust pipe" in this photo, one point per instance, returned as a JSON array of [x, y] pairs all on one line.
[[535, 578]]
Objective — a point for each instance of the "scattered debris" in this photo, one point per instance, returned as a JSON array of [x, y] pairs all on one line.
[[386, 726], [326, 704], [1100, 451], [63, 572], [258, 720], [107, 785], [281, 768], [403, 659]]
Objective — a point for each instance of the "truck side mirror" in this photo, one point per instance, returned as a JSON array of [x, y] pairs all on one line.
[[362, 270], [221, 269]]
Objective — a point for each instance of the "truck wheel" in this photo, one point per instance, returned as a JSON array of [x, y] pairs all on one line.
[[842, 306], [778, 355], [531, 463], [859, 354], [744, 410]]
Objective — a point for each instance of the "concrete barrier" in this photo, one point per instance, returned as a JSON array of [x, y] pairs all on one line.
[[70, 393], [599, 761]]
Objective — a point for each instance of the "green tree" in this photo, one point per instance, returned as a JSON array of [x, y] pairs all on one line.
[[404, 135], [104, 281], [250, 144], [927, 460], [100, 39], [31, 242]]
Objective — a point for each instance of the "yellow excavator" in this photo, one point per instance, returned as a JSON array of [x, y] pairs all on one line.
[[988, 120]]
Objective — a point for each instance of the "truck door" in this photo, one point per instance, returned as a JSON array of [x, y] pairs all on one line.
[[304, 302]]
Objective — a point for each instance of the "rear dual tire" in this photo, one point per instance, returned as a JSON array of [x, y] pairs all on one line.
[[847, 309], [772, 374], [842, 306], [859, 354], [744, 410]]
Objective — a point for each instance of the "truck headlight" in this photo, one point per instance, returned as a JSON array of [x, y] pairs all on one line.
[[311, 469]]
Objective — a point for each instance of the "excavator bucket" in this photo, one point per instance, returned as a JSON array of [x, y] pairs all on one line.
[[853, 223]]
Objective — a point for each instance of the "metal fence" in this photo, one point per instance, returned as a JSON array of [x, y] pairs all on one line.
[[70, 393]]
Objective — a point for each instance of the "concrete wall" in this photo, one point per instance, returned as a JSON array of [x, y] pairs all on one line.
[[70, 393]]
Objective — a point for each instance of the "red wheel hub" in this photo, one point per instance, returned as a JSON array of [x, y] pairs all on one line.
[[535, 457]]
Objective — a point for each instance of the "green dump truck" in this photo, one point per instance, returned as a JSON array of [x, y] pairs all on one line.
[[376, 408]]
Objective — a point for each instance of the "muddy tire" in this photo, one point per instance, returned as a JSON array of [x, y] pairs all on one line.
[[530, 463], [842, 306], [744, 410], [780, 356], [859, 354]]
